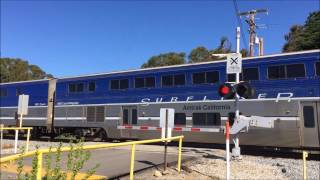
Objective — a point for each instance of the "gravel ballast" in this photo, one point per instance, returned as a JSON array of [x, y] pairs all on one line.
[[211, 164]]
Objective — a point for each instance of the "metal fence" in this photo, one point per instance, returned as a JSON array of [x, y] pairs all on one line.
[[16, 136], [133, 144]]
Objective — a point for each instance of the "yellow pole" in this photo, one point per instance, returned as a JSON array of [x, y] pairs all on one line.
[[179, 154], [28, 137], [39, 166], [305, 155], [132, 161]]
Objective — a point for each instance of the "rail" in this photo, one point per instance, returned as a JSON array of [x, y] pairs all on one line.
[[16, 136], [133, 144]]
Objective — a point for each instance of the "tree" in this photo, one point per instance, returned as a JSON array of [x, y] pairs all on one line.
[[199, 54], [19, 70], [202, 54], [304, 37], [166, 59]]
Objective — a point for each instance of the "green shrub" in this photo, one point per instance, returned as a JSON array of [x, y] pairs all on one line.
[[76, 159]]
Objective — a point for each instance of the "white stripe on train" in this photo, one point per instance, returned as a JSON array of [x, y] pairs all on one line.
[[290, 118], [191, 129]]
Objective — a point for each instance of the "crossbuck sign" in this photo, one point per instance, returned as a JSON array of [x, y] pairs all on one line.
[[234, 63]]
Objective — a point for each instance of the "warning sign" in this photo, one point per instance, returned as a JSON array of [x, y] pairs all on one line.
[[234, 63]]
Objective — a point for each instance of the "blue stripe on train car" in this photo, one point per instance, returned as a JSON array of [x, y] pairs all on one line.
[[307, 86]]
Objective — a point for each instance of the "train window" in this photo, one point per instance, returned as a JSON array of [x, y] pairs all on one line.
[[73, 88], [199, 78], [317, 68], [114, 84], [212, 77], [167, 80], [92, 86], [125, 116], [276, 72], [150, 82], [205, 77], [80, 87], [147, 82], [250, 74], [199, 118], [124, 83], [179, 119], [211, 119], [232, 77], [179, 79], [3, 92], [139, 83], [134, 118], [308, 114], [295, 70]]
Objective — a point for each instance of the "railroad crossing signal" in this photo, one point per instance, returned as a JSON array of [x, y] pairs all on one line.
[[243, 89], [234, 63]]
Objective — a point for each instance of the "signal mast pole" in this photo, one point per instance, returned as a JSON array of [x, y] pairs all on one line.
[[252, 25], [236, 150]]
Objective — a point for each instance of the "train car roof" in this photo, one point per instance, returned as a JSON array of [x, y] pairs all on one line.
[[165, 67], [186, 65], [16, 82]]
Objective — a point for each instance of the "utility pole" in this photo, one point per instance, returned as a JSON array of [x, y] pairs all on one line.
[[261, 50], [252, 25]]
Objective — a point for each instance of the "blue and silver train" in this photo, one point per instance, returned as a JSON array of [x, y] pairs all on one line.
[[126, 104]]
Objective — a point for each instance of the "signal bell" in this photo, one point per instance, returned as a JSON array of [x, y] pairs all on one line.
[[243, 89]]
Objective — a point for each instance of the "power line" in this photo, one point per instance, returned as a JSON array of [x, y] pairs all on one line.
[[244, 41]]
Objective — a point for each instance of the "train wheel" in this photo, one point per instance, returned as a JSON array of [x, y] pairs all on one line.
[[79, 133], [35, 133], [102, 134]]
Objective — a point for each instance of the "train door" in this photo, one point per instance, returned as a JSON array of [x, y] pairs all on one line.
[[310, 124], [129, 115]]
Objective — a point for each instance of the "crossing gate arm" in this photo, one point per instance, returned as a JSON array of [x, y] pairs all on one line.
[[243, 123]]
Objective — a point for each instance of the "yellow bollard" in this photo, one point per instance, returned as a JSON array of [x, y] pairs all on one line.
[[132, 161], [39, 166], [179, 154], [28, 137], [305, 155]]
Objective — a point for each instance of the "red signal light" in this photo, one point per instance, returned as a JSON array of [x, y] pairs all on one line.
[[226, 91]]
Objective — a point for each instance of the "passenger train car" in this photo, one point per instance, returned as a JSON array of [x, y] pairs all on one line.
[[126, 104]]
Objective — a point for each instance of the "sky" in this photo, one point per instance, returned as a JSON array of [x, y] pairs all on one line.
[[69, 38]]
